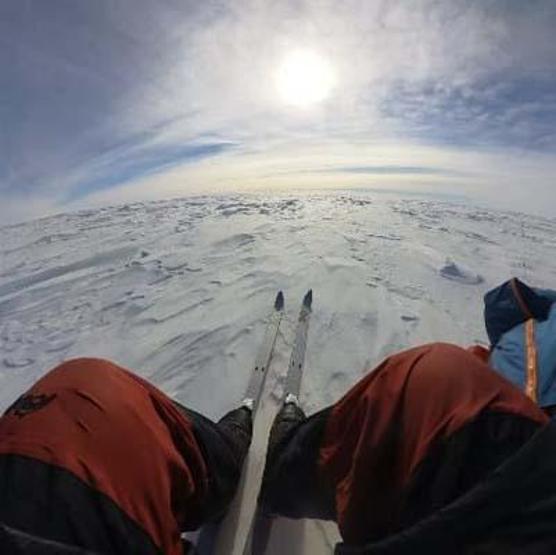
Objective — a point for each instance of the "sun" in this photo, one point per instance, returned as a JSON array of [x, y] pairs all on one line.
[[304, 78]]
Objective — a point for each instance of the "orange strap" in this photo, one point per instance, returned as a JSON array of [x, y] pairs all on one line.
[[520, 301], [531, 360]]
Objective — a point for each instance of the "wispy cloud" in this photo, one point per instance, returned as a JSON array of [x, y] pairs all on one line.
[[118, 170], [394, 170]]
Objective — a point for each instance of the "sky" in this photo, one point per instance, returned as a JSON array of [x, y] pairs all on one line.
[[110, 101]]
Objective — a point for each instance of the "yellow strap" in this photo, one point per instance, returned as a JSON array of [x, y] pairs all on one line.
[[531, 384]]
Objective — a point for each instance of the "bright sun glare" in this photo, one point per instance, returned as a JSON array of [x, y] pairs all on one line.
[[304, 78]]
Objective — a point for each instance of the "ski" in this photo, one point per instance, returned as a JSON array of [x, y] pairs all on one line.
[[297, 359], [205, 544], [264, 356], [259, 530]]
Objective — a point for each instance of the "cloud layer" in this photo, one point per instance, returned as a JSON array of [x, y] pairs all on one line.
[[117, 100]]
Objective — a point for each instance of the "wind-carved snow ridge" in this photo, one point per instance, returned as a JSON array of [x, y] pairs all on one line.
[[456, 272]]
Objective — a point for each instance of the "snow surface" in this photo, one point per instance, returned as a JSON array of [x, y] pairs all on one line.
[[179, 291]]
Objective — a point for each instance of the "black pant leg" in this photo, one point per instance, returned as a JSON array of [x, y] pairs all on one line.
[[224, 446], [292, 486]]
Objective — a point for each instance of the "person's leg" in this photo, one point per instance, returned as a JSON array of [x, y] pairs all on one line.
[[386, 430], [237, 427], [97, 483], [456, 465], [286, 421], [291, 485], [224, 445]]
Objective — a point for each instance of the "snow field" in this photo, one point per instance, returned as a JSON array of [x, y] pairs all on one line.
[[178, 290]]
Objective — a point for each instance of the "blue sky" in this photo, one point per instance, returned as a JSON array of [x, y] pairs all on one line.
[[110, 101]]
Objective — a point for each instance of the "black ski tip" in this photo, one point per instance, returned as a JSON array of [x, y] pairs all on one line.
[[308, 299], [279, 302]]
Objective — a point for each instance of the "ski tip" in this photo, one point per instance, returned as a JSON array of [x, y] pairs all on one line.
[[279, 302], [308, 299]]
